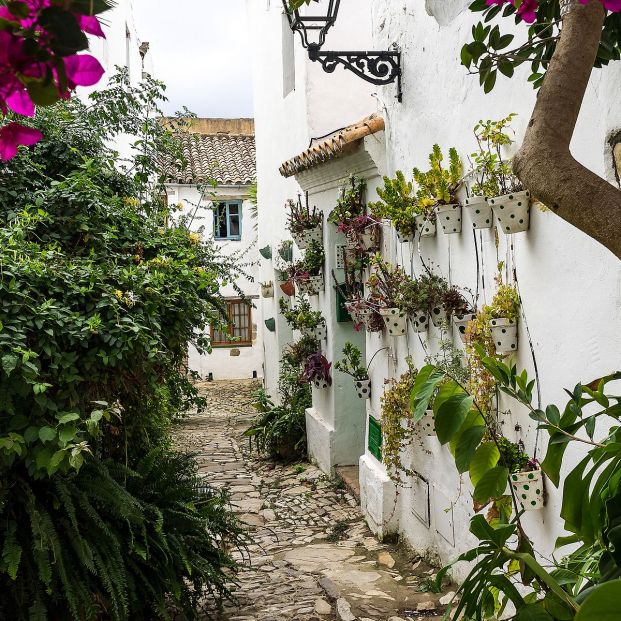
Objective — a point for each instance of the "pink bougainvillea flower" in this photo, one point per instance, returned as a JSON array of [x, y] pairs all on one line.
[[528, 10], [83, 70], [91, 25], [13, 135], [19, 101]]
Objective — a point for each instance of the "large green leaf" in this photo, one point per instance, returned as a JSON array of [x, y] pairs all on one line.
[[451, 414], [484, 459], [424, 386], [603, 604], [533, 612], [491, 485], [467, 446]]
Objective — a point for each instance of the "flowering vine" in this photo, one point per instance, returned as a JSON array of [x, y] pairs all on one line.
[[527, 9], [39, 60]]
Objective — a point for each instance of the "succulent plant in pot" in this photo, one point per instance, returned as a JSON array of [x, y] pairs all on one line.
[[525, 475], [398, 204], [303, 318], [308, 273], [437, 189], [350, 204], [460, 309], [317, 371], [267, 289], [504, 314], [363, 233], [352, 365], [305, 224], [385, 284], [424, 298]]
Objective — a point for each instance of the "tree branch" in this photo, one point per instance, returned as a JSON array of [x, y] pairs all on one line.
[[544, 163]]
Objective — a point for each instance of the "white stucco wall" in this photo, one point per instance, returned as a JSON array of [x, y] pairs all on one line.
[[570, 285], [235, 362]]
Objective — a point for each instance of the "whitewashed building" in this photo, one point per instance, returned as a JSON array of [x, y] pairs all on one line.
[[214, 191], [314, 129]]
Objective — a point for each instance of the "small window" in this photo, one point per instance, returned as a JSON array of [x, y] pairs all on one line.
[[239, 333], [228, 220]]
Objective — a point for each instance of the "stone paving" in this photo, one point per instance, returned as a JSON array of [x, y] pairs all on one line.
[[312, 556]]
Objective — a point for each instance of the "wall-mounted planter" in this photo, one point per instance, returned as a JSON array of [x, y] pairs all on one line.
[[312, 286], [449, 216], [512, 211], [528, 488], [505, 335], [319, 332], [427, 424], [370, 241], [395, 320], [267, 290], [461, 323], [342, 314], [364, 315], [304, 238], [405, 238], [321, 384], [288, 287], [480, 212], [286, 253], [420, 321], [439, 316], [270, 324], [363, 388], [266, 252], [425, 226]]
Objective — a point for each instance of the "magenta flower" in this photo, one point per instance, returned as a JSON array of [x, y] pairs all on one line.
[[13, 135], [82, 70]]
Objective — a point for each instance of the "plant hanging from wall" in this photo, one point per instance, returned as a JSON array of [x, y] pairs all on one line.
[[352, 365], [504, 314], [304, 224], [351, 203], [385, 284], [398, 205], [302, 317], [317, 371], [308, 272]]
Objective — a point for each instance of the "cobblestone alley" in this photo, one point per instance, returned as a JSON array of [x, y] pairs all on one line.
[[312, 556]]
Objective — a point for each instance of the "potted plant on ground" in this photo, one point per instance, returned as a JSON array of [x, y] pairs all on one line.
[[351, 202], [437, 189], [317, 371], [303, 318], [504, 313], [267, 289], [385, 284], [525, 475], [352, 365], [398, 205], [305, 225], [308, 273], [512, 207]]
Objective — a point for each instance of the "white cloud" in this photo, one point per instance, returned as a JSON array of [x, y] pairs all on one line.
[[200, 49]]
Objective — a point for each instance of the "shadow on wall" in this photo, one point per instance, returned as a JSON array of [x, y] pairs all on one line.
[[445, 11]]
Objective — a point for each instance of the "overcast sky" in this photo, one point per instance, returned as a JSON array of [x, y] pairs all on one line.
[[200, 50]]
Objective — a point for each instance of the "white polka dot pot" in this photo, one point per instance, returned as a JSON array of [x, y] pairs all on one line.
[[449, 217], [427, 424], [512, 212], [363, 388], [312, 286], [425, 226], [319, 332], [439, 316], [505, 335], [364, 316], [529, 490], [461, 323], [267, 291], [320, 384], [420, 321], [480, 212], [405, 238], [369, 242], [304, 238], [395, 320]]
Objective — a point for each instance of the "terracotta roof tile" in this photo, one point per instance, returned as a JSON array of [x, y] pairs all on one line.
[[337, 145]]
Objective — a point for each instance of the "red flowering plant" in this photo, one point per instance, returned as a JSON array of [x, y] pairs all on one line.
[[491, 51], [40, 64]]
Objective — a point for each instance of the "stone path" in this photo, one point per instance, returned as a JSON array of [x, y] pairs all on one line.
[[312, 556]]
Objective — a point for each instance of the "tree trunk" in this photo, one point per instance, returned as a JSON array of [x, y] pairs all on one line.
[[544, 163]]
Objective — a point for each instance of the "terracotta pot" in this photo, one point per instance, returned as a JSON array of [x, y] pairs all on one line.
[[505, 335], [449, 216], [512, 211], [529, 490], [439, 316], [395, 320], [420, 321], [480, 212], [363, 388], [425, 226], [288, 287], [461, 323]]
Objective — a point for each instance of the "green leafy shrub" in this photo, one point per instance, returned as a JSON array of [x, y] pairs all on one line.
[[398, 204], [352, 363]]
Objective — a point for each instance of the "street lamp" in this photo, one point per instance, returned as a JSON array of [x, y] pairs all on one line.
[[313, 23]]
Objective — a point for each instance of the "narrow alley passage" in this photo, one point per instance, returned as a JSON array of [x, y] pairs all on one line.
[[312, 556]]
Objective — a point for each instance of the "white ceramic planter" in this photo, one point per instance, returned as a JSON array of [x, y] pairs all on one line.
[[480, 212], [312, 286], [319, 332], [439, 316], [512, 211], [304, 238], [505, 335], [528, 488], [368, 242], [363, 388], [405, 238], [427, 424], [267, 291], [365, 314], [321, 384], [449, 217], [425, 227], [461, 323], [420, 321], [395, 320]]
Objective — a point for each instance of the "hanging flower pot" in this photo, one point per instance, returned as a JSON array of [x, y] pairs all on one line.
[[288, 287], [321, 384], [266, 252], [420, 321], [405, 238], [461, 323], [267, 289], [281, 276], [395, 320], [439, 316], [319, 332], [480, 212], [512, 211], [528, 488], [427, 424], [505, 335], [449, 217], [270, 324], [369, 241], [364, 315], [425, 226], [286, 251], [311, 286], [363, 388]]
